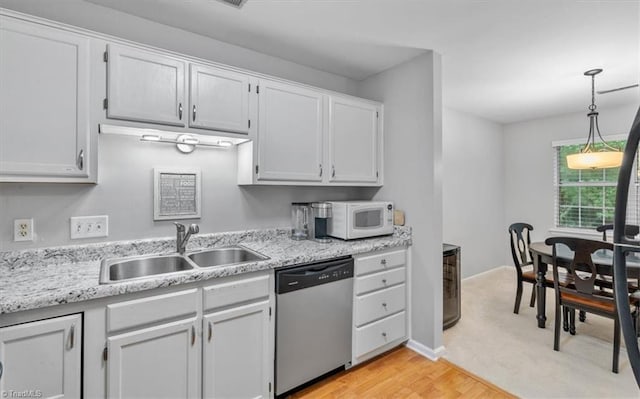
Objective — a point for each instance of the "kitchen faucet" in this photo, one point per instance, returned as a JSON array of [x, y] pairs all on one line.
[[183, 235]]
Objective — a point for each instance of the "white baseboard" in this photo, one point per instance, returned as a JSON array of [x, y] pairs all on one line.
[[488, 271], [431, 354]]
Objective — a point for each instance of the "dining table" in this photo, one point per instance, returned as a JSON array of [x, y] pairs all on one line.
[[542, 255]]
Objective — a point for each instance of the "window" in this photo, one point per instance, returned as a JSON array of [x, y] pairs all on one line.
[[586, 199]]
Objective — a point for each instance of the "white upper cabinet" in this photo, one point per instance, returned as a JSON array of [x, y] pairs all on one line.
[[145, 86], [219, 99], [42, 356], [353, 140], [290, 133], [44, 104]]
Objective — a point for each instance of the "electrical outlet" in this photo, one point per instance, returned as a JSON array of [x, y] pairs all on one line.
[[89, 226], [23, 230]]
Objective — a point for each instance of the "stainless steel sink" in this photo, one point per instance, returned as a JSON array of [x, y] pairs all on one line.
[[225, 256], [115, 270]]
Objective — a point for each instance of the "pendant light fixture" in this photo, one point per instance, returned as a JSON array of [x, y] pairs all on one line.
[[589, 156]]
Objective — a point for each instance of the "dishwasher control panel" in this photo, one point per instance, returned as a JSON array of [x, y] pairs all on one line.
[[309, 275]]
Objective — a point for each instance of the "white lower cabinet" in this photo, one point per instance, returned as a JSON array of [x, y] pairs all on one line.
[[156, 362], [236, 352], [42, 358], [214, 341], [380, 303]]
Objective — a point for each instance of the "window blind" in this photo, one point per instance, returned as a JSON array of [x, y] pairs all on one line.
[[585, 199]]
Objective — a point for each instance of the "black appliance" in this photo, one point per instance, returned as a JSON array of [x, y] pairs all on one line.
[[451, 311], [623, 245]]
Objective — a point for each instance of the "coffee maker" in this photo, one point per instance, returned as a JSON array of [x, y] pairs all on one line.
[[318, 228]]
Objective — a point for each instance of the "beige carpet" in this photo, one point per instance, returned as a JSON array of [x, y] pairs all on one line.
[[510, 351]]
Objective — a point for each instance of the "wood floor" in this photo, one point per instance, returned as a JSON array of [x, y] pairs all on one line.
[[403, 373]]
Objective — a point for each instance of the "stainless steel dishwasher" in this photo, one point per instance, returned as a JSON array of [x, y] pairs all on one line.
[[314, 306]]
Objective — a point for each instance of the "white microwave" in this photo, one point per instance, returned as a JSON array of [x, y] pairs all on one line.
[[360, 219]]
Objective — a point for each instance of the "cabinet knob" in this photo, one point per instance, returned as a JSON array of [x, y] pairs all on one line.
[[383, 262], [384, 334], [180, 111], [384, 281], [384, 305]]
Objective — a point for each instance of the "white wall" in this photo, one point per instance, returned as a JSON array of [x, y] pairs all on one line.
[[125, 184], [473, 190], [411, 93], [528, 158]]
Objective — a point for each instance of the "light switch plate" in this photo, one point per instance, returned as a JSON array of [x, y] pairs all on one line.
[[89, 226], [23, 230]]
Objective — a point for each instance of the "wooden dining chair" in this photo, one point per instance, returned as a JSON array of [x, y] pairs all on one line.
[[630, 230], [519, 234], [580, 290]]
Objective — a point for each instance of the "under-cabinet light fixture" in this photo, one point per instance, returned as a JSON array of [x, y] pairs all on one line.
[[185, 143]]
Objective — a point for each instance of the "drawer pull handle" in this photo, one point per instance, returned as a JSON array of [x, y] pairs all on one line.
[[210, 332], [384, 334], [383, 262], [384, 281], [180, 111], [72, 336], [193, 335]]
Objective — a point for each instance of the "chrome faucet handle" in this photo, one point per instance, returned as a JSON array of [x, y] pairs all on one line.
[[193, 228]]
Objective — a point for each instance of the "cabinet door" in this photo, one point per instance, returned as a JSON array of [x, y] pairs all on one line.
[[289, 133], [237, 356], [219, 99], [145, 86], [353, 140], [156, 362], [44, 102], [42, 358]]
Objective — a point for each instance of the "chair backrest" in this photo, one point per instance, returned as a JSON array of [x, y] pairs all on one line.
[[581, 267], [630, 230], [519, 234]]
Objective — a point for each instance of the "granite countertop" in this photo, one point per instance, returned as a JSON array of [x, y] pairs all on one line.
[[43, 277]]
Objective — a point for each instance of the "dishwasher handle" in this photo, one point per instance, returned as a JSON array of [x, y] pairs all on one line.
[[310, 275]]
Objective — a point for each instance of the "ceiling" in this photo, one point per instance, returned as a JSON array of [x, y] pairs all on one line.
[[504, 60]]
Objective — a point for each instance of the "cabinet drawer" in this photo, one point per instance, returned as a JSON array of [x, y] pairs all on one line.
[[224, 294], [379, 304], [151, 310], [380, 333], [380, 280], [373, 263]]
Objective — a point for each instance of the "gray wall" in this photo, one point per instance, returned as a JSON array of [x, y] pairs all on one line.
[[473, 190], [528, 157], [125, 186], [411, 94]]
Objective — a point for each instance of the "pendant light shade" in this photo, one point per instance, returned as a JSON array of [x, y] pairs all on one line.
[[589, 156], [595, 160]]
